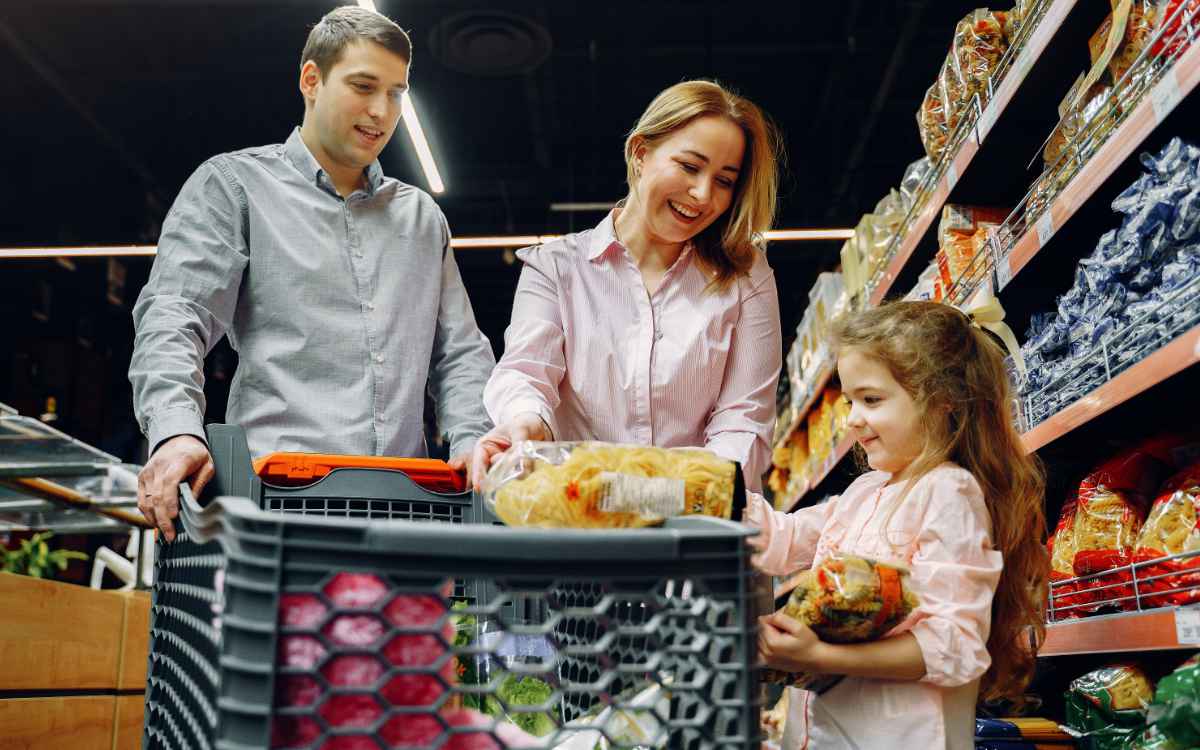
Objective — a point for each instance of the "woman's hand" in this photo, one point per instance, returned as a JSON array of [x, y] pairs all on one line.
[[786, 644], [524, 426]]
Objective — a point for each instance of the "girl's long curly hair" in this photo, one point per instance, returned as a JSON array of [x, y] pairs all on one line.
[[955, 373]]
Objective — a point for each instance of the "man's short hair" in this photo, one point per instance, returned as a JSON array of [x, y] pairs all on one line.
[[346, 25]]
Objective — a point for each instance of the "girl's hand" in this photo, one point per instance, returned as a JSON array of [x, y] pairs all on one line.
[[788, 645]]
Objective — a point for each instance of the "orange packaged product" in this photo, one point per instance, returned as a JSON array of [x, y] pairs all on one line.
[[1139, 27], [1174, 36], [979, 44], [931, 122], [1172, 528], [294, 469]]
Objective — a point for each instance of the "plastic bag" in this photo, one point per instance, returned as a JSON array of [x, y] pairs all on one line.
[[931, 122], [979, 44], [1175, 712], [1172, 528], [953, 92], [911, 183], [1173, 19], [1109, 705], [1061, 546], [846, 600], [591, 485]]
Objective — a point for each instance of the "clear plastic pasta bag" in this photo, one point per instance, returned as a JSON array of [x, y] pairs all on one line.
[[1172, 529], [1109, 705], [592, 485], [846, 599]]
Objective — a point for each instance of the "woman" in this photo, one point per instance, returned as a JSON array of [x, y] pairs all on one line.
[[660, 326]]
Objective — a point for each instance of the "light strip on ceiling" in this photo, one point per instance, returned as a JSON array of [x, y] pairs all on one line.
[[569, 207], [408, 114], [459, 243]]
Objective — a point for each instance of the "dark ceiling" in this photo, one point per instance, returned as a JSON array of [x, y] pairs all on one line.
[[108, 106]]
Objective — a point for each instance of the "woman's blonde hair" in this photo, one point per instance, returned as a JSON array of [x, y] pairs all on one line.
[[955, 374], [726, 247]]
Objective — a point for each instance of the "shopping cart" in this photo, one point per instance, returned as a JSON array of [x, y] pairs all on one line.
[[338, 626]]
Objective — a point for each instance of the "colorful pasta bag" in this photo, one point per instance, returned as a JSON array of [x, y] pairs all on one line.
[[846, 599], [590, 485], [1172, 528], [979, 44], [931, 122], [1174, 18], [1109, 705]]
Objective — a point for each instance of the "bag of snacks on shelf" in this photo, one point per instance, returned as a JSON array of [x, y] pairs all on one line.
[[1084, 124], [979, 44], [1172, 528], [953, 92], [931, 122], [589, 485], [1113, 501], [911, 185], [1175, 711], [1109, 705], [846, 599], [1061, 546]]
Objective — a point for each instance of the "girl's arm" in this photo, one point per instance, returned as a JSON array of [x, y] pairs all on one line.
[[786, 542], [791, 646], [741, 422]]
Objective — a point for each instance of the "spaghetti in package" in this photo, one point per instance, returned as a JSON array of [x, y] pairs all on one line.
[[846, 599], [1172, 528], [590, 485], [1061, 546], [1109, 705]]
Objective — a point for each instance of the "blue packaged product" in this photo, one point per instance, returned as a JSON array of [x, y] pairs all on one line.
[[1145, 278], [1187, 217]]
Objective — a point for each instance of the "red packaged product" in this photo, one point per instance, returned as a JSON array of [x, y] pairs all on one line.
[[1112, 505], [1172, 528], [1061, 546]]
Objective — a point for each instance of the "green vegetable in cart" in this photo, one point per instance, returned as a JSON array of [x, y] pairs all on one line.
[[523, 691]]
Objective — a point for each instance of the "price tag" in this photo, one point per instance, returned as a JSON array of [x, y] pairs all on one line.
[[1165, 95], [951, 176], [1003, 273], [1187, 626], [1045, 227]]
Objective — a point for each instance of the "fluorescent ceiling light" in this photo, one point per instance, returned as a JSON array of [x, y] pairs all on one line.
[[409, 115], [509, 241], [568, 207], [98, 251], [809, 234]]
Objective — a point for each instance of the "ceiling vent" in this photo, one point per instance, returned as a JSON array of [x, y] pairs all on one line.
[[490, 43]]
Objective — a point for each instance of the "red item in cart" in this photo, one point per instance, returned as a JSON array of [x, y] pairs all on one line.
[[1112, 505], [1172, 528], [297, 469]]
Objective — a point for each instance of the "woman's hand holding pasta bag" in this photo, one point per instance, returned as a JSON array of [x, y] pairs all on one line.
[[786, 644], [524, 426]]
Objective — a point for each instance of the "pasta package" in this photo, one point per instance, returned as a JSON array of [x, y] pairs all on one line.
[[1061, 546], [1112, 506], [979, 44], [1175, 712], [846, 599], [931, 122], [590, 485], [1172, 528], [1109, 705], [1173, 17], [1135, 23]]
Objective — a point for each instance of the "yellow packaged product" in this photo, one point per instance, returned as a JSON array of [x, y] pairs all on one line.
[[1136, 22], [979, 44], [820, 433], [799, 451], [588, 485], [841, 414]]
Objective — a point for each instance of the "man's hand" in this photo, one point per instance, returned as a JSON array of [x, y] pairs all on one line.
[[786, 644], [179, 458], [462, 464], [524, 426]]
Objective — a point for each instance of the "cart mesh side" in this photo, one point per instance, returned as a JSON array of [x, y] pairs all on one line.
[[340, 633]]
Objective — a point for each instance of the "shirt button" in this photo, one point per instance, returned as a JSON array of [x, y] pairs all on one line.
[[370, 306], [657, 335], [379, 358]]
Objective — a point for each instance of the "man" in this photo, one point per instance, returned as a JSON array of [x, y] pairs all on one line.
[[335, 284]]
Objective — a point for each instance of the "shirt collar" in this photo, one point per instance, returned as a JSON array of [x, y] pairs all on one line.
[[303, 160], [603, 237]]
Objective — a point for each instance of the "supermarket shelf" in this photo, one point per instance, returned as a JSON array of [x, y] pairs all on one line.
[[1153, 630], [1177, 82], [822, 380], [840, 450], [1175, 357], [1034, 46]]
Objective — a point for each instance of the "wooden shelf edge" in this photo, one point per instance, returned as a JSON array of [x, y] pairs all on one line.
[[818, 388], [1153, 630], [1122, 143], [1173, 358]]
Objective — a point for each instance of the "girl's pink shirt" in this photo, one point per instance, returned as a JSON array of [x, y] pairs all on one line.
[[941, 532]]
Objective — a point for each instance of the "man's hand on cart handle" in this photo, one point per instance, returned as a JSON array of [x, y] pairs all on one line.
[[183, 457]]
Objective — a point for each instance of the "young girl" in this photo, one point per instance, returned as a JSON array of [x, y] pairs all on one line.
[[954, 498]]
